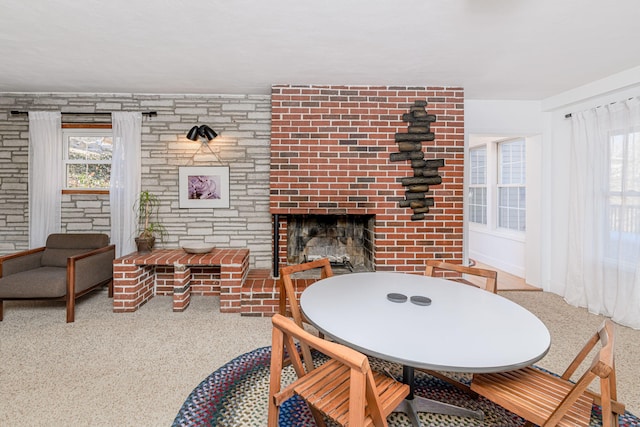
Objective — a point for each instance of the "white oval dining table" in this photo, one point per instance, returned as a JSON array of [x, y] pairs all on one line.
[[462, 329]]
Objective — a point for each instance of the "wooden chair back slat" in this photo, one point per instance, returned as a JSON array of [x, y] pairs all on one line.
[[548, 400], [344, 388], [490, 276]]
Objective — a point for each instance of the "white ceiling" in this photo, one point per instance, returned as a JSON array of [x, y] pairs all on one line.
[[495, 49]]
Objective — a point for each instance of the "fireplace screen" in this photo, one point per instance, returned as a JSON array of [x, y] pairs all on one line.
[[347, 240]]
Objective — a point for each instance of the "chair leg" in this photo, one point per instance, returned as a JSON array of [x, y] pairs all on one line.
[[1, 309], [111, 288], [71, 308]]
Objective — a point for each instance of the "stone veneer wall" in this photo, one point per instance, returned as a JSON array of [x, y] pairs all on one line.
[[243, 125], [330, 154]]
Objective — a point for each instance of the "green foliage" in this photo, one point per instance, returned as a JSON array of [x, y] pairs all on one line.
[[88, 176], [146, 208]]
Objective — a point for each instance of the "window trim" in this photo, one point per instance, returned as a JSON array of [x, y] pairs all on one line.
[[85, 191]]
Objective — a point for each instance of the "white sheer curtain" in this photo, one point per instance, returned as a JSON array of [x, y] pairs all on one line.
[[125, 179], [603, 272], [45, 175]]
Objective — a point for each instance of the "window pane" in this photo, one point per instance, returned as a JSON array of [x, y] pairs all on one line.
[[478, 205], [512, 208], [632, 182], [624, 185], [616, 163], [503, 217], [77, 149], [512, 162], [98, 148], [88, 175], [478, 162]]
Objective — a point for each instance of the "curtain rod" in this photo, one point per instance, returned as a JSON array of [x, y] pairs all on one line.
[[569, 115], [145, 113]]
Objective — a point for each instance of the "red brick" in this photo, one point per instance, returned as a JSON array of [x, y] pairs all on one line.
[[327, 170]]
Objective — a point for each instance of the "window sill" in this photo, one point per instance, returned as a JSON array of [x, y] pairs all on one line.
[[74, 191], [501, 233]]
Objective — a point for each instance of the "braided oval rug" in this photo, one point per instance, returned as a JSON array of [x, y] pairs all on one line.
[[236, 395]]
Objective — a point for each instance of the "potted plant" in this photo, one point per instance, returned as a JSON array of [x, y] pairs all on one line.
[[149, 228]]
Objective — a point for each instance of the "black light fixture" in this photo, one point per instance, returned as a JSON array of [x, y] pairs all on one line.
[[203, 131], [207, 134], [193, 134]]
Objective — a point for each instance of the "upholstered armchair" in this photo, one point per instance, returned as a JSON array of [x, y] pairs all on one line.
[[69, 266]]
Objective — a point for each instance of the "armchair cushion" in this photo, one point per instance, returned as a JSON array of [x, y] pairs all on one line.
[[61, 246], [28, 284]]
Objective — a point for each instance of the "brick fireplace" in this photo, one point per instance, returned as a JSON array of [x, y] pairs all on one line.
[[347, 240], [330, 155]]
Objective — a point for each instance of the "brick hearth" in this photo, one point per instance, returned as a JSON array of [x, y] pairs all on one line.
[[260, 293]]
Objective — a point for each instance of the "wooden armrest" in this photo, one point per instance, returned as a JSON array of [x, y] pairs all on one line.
[[89, 269], [7, 261], [284, 394], [93, 252]]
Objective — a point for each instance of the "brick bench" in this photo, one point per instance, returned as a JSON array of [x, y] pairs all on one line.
[[138, 277]]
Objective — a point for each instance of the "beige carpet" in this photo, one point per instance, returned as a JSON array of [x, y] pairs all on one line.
[[136, 369]]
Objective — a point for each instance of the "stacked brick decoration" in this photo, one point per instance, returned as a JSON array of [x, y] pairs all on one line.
[[425, 172], [330, 154]]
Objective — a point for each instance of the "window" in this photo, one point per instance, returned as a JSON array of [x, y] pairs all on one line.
[[87, 158], [623, 202], [511, 185], [478, 185]]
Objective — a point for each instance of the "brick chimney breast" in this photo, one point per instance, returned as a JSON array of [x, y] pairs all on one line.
[[332, 153]]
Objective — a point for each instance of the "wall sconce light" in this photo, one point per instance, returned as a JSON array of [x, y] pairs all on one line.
[[203, 131], [207, 134]]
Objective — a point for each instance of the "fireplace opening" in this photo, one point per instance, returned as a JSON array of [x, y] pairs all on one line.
[[346, 240]]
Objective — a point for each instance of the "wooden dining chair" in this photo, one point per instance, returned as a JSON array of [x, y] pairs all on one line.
[[289, 304], [456, 272], [548, 400], [343, 389], [435, 268]]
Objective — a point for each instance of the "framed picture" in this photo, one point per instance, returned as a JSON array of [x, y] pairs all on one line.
[[204, 187]]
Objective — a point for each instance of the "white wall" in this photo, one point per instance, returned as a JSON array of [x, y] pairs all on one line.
[[512, 252]]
